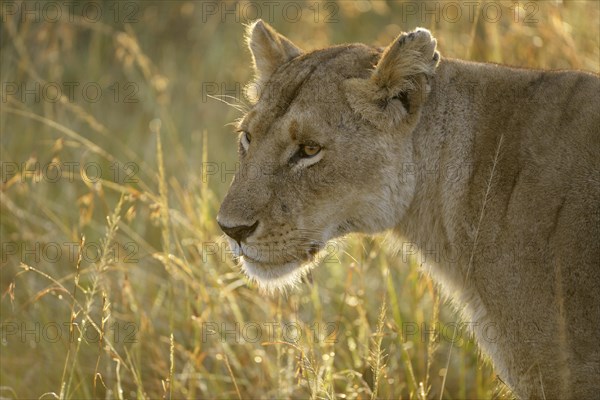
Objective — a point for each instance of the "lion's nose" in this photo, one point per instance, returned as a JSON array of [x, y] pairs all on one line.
[[239, 233]]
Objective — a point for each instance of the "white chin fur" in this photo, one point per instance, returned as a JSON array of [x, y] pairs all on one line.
[[271, 278]]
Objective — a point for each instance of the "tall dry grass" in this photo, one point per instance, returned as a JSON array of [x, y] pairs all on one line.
[[116, 282]]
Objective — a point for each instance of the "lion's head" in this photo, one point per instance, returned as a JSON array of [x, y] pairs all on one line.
[[323, 148]]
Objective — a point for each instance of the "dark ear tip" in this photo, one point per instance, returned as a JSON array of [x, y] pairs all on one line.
[[258, 26], [259, 23]]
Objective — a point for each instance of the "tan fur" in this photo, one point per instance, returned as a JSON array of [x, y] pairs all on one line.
[[513, 236]]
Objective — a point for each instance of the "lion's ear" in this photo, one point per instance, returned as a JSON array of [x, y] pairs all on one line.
[[398, 85], [269, 49], [410, 55]]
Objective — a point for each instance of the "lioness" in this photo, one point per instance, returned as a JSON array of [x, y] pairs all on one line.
[[354, 138]]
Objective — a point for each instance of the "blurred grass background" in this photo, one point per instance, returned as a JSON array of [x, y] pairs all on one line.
[[135, 316]]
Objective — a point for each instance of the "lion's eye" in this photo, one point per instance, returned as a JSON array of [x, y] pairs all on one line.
[[245, 140], [307, 154], [310, 150]]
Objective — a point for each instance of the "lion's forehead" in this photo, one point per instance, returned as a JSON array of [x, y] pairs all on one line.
[[309, 85]]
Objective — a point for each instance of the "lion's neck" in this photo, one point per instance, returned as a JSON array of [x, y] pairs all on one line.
[[437, 228], [441, 166], [459, 114]]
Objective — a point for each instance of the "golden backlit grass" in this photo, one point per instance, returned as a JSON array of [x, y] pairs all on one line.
[[132, 305]]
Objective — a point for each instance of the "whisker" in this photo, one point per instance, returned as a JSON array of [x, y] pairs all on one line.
[[233, 97], [241, 109]]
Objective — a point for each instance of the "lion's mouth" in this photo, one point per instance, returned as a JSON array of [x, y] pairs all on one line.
[[273, 274], [273, 259], [269, 263]]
